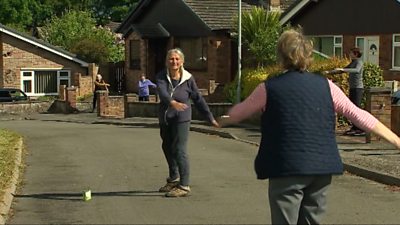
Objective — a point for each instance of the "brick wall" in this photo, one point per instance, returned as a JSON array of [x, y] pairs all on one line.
[[218, 71], [1, 60], [396, 119], [110, 106], [379, 104], [24, 108], [25, 55], [85, 84], [131, 75]]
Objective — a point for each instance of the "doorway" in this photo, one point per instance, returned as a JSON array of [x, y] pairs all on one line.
[[157, 51], [369, 46]]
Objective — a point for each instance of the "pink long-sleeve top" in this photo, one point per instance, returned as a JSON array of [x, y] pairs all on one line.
[[257, 102]]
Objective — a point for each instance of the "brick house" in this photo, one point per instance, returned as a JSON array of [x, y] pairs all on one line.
[[338, 25], [201, 28], [37, 67]]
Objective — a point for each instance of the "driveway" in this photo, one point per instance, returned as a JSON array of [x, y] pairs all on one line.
[[123, 166]]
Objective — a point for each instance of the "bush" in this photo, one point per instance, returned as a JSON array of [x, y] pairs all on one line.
[[253, 77], [372, 77]]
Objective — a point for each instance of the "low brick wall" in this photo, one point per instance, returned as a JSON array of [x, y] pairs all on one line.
[[21, 108], [150, 109], [396, 119], [110, 106], [379, 105]]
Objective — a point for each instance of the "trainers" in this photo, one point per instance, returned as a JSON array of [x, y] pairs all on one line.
[[178, 191], [169, 186]]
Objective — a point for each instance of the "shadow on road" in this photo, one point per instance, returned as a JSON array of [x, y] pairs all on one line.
[[79, 196]]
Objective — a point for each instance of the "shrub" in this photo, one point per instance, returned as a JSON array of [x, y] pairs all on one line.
[[372, 77], [253, 77]]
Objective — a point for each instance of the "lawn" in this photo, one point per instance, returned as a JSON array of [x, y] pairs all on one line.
[[8, 152]]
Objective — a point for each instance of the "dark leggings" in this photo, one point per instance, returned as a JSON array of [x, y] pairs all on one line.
[[356, 95], [94, 100], [174, 141]]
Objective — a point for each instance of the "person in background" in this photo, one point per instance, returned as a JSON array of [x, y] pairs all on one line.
[[356, 85], [99, 84], [298, 152], [177, 88], [144, 88]]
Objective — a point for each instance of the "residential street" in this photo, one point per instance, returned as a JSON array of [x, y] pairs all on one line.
[[124, 166]]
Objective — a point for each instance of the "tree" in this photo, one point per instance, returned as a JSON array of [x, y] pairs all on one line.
[[16, 13], [76, 31], [260, 32], [112, 10]]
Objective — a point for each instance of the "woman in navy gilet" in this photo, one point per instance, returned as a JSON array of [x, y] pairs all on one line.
[[298, 151]]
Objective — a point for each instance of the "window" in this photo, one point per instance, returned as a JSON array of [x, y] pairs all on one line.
[[195, 50], [44, 82], [134, 54], [329, 45], [27, 82], [396, 52], [361, 44]]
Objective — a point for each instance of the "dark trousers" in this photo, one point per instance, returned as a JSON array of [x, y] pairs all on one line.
[[144, 98], [356, 95], [94, 101], [174, 144]]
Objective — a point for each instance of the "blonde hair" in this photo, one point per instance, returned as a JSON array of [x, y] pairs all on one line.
[[294, 50], [176, 51]]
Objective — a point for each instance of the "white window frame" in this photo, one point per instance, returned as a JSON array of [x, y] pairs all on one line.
[[335, 45], [394, 45], [339, 45], [362, 48], [32, 79]]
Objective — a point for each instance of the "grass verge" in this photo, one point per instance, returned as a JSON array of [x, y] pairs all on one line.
[[8, 152]]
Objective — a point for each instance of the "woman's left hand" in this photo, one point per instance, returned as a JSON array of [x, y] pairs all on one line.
[[215, 123]]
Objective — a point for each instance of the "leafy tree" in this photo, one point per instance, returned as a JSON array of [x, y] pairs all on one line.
[[260, 32], [16, 13], [76, 31], [112, 10]]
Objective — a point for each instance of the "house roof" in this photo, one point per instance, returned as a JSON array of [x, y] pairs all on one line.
[[286, 4], [215, 14], [42, 44], [293, 9]]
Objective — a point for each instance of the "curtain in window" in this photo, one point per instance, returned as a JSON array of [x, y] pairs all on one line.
[[46, 82]]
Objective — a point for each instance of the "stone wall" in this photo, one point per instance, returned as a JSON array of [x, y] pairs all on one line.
[[23, 108], [379, 104]]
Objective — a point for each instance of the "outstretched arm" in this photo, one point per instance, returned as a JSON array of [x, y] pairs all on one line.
[[359, 117]]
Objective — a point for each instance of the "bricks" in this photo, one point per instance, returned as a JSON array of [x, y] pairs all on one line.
[[26, 56], [379, 105]]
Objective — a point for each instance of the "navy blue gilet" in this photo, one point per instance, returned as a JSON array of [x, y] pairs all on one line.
[[298, 128]]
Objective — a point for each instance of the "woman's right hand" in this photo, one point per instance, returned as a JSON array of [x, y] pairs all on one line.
[[178, 106]]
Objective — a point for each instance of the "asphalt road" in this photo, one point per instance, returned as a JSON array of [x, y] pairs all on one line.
[[124, 166]]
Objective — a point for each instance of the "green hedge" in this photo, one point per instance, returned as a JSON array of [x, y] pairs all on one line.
[[372, 76]]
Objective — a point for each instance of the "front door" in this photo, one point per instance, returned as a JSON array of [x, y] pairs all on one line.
[[157, 52], [369, 45]]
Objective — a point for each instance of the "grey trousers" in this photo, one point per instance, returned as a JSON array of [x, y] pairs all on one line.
[[298, 199], [174, 144]]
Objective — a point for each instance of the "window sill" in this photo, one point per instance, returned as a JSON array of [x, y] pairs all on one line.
[[395, 69]]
